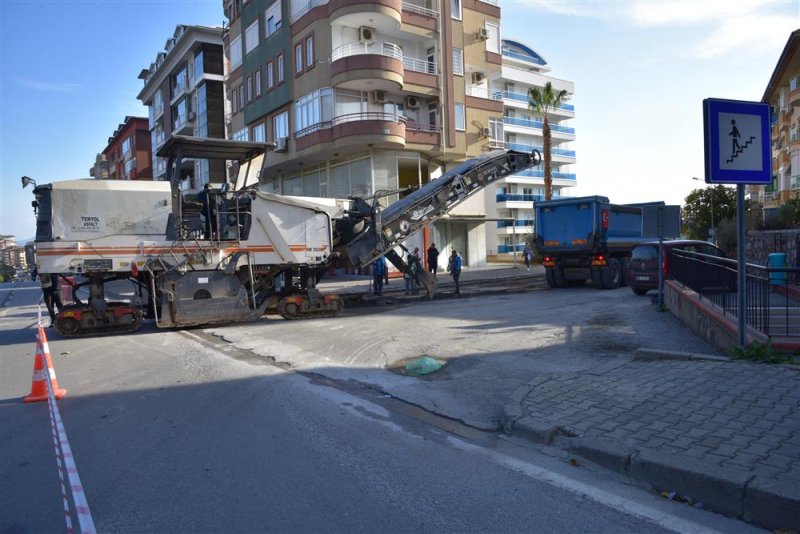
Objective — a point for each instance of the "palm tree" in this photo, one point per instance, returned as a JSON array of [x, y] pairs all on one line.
[[542, 101]]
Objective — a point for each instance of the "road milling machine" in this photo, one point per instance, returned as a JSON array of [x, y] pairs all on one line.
[[265, 254]]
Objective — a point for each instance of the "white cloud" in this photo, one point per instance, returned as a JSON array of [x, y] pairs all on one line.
[[60, 87], [746, 26]]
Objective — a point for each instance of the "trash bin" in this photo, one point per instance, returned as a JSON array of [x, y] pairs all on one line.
[[777, 260]]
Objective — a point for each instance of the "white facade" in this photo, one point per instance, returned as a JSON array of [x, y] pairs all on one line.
[[521, 129]]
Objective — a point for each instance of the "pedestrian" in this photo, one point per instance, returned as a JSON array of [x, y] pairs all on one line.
[[209, 202], [378, 273], [528, 254], [433, 259], [411, 273], [52, 298], [454, 268]]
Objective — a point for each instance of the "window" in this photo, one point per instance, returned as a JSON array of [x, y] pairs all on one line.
[[234, 100], [493, 41], [251, 37], [258, 133], [310, 51], [198, 66], [126, 145], [270, 75], [313, 109], [280, 125], [461, 119], [240, 135], [455, 9], [236, 52], [180, 81], [249, 89], [458, 61], [280, 68], [179, 114], [298, 58], [272, 18], [257, 83]]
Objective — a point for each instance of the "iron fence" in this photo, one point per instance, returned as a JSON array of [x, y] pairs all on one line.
[[772, 293]]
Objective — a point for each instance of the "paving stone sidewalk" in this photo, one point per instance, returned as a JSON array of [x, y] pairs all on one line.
[[724, 433]]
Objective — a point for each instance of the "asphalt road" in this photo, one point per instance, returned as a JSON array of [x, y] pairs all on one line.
[[184, 432]]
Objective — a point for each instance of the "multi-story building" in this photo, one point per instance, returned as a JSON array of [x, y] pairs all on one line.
[[183, 90], [521, 129], [367, 98], [783, 96], [127, 155], [99, 171], [11, 254]]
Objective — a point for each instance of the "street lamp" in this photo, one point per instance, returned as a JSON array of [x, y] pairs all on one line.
[[711, 198], [27, 180]]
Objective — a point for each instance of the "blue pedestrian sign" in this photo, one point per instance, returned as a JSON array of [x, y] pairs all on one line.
[[737, 142]]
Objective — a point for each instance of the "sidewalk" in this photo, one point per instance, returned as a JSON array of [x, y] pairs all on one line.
[[721, 434], [725, 433], [501, 273]]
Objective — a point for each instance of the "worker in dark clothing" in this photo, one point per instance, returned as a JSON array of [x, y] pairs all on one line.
[[209, 202], [433, 259], [52, 296]]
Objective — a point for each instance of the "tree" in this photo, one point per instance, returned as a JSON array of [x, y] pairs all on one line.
[[542, 101], [703, 205]]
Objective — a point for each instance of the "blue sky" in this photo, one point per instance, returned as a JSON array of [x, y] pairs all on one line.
[[68, 77]]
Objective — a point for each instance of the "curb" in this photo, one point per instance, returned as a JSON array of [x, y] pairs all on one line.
[[773, 504], [649, 355]]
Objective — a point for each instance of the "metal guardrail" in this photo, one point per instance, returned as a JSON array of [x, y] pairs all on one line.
[[379, 48], [771, 309], [419, 10]]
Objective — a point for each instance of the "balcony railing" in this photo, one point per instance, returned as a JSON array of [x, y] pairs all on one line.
[[534, 173], [352, 117], [482, 91], [419, 10], [413, 126], [528, 123], [553, 151], [419, 65], [506, 249], [518, 223], [523, 97], [510, 197], [377, 48], [522, 57], [305, 8]]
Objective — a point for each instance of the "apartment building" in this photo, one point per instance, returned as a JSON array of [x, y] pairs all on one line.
[[11, 254], [184, 92], [519, 128], [127, 155], [371, 98], [783, 96]]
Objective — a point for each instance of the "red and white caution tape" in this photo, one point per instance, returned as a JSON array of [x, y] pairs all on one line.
[[64, 457]]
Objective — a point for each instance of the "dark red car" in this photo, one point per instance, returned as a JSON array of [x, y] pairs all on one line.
[[642, 274]]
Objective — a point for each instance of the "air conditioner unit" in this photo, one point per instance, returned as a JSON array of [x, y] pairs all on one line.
[[190, 116], [412, 102], [482, 35], [366, 34], [379, 97], [281, 144], [478, 77], [485, 132]]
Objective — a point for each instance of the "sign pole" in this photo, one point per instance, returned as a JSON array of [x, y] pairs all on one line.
[[741, 265]]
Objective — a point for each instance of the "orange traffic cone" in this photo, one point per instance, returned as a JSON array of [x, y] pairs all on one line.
[[39, 384]]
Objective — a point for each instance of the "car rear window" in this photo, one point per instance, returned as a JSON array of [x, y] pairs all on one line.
[[644, 253]]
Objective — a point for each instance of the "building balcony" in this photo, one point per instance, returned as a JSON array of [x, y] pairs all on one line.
[[794, 96], [529, 124], [556, 175], [377, 129], [334, 9], [508, 249], [416, 14], [420, 134], [379, 63], [520, 57], [511, 197], [519, 226], [521, 101], [554, 152]]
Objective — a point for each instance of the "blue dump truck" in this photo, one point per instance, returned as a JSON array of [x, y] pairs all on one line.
[[588, 238]]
